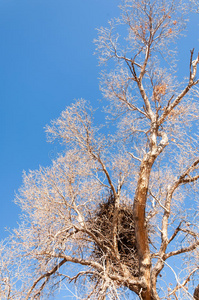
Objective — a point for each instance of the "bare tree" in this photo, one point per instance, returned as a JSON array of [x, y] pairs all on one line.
[[118, 210]]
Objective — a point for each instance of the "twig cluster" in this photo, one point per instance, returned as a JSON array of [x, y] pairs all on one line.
[[101, 225]]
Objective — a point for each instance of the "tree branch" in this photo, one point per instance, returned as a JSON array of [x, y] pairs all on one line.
[[182, 250], [46, 275], [190, 84], [184, 282]]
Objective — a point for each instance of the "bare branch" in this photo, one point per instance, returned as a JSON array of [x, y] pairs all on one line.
[[184, 282], [182, 250], [46, 275]]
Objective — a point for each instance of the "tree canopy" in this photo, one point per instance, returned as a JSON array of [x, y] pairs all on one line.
[[118, 209]]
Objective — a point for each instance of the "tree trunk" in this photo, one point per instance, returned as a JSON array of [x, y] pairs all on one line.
[[141, 231], [196, 293]]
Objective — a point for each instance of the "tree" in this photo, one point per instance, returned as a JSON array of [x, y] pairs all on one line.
[[118, 211]]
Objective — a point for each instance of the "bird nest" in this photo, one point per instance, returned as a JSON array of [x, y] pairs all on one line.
[[101, 226]]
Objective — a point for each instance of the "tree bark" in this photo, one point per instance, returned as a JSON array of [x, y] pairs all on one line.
[[196, 293], [141, 231]]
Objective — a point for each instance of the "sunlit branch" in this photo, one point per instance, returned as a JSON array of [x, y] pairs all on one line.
[[191, 83], [135, 157], [46, 275], [178, 229], [182, 250], [178, 286], [156, 199], [177, 280], [170, 192]]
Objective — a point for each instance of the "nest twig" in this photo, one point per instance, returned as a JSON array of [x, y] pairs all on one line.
[[101, 225]]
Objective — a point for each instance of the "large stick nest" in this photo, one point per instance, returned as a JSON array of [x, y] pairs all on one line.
[[101, 225]]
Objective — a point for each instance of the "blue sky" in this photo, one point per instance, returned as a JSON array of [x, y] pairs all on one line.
[[47, 61]]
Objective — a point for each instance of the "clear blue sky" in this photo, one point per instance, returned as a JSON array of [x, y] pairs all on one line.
[[47, 61]]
